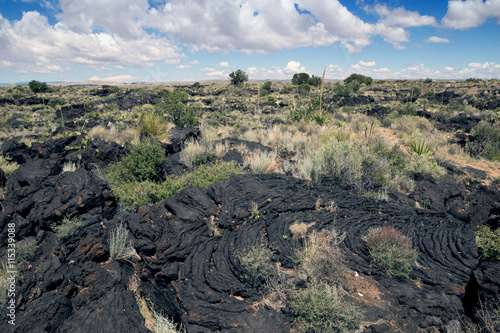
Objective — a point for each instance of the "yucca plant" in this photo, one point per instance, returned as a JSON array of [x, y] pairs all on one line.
[[419, 147], [321, 118]]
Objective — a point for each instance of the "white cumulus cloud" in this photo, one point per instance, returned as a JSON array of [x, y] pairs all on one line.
[[392, 23], [294, 67], [435, 39], [368, 64], [33, 45], [470, 13]]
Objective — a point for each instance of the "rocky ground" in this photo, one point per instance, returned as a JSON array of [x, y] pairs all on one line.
[[185, 248]]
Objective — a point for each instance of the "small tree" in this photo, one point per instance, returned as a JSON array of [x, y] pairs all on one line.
[[300, 78], [315, 81], [266, 88], [37, 86], [238, 78], [358, 79]]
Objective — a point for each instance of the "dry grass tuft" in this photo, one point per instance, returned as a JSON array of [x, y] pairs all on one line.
[[192, 151], [298, 230], [262, 162], [113, 134], [7, 166], [320, 256]]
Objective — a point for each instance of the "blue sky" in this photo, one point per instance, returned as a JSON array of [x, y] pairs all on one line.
[[194, 40]]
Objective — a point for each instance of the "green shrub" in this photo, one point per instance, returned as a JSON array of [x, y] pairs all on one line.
[[173, 104], [486, 141], [489, 241], [256, 264], [206, 175], [424, 165], [407, 109], [25, 249], [347, 90], [352, 164], [55, 101], [366, 168], [321, 308], [136, 193], [142, 163], [108, 87], [304, 89], [391, 251], [68, 226], [266, 88]]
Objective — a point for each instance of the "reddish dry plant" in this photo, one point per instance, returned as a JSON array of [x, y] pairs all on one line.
[[386, 235]]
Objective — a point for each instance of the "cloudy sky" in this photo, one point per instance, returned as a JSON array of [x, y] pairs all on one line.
[[187, 40]]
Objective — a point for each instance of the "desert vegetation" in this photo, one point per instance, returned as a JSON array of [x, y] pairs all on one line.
[[304, 194]]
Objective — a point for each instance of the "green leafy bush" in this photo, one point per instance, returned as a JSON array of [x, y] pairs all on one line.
[[142, 163], [304, 89], [55, 101], [364, 167], [424, 165], [266, 88], [173, 104], [407, 109], [68, 226], [391, 251], [321, 308], [256, 264], [352, 163], [486, 141], [489, 241], [132, 194], [347, 90]]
